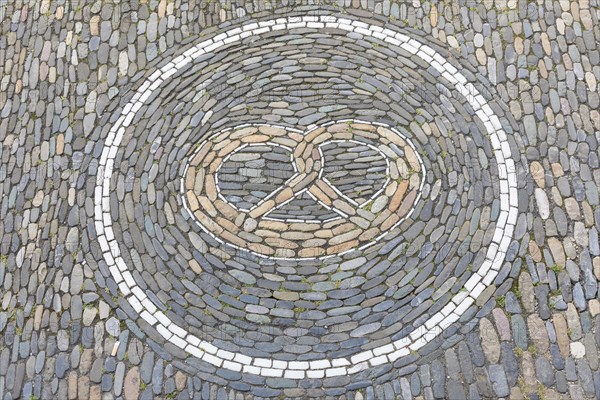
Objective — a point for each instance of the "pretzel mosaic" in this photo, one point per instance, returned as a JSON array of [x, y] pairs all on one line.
[[350, 224]]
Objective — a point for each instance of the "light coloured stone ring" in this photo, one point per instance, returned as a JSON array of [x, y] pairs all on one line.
[[482, 276]]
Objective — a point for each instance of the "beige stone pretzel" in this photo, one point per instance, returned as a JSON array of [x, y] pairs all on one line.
[[356, 226]]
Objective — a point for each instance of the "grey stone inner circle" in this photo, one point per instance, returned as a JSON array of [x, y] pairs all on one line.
[[252, 173], [312, 319]]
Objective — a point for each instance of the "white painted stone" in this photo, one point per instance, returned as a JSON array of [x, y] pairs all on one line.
[[196, 352], [209, 348], [162, 318], [340, 362], [243, 359], [179, 342], [232, 366], [291, 374], [434, 320], [487, 280], [472, 282], [478, 289], [164, 331], [226, 355], [335, 372], [358, 367], [398, 353], [577, 350], [271, 372], [135, 303], [315, 374], [320, 364], [300, 365], [364, 31], [262, 362], [360, 357], [149, 318], [542, 202], [449, 320], [209, 358], [193, 340], [249, 369], [466, 303]]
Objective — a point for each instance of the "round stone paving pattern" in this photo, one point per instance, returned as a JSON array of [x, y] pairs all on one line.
[[239, 342], [69, 69]]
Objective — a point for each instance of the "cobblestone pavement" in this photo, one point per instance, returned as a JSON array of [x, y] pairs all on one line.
[[350, 200]]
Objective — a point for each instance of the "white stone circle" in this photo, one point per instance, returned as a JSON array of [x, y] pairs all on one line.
[[322, 368]]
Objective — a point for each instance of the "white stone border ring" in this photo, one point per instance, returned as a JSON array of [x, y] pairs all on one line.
[[322, 368]]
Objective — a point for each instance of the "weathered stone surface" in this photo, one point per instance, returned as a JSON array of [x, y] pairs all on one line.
[[132, 384], [70, 324]]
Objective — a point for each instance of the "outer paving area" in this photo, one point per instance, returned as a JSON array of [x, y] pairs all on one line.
[[354, 200]]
